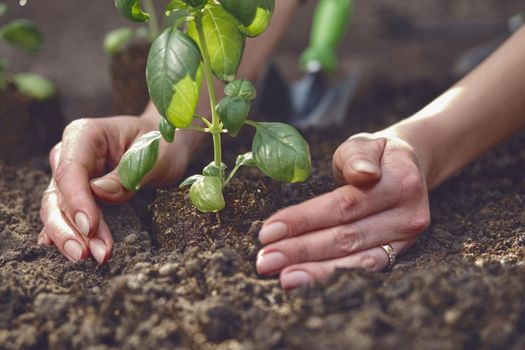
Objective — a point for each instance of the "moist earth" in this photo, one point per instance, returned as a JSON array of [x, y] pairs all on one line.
[[183, 279]]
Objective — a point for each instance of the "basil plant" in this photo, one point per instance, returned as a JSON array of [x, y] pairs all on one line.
[[205, 40], [24, 35]]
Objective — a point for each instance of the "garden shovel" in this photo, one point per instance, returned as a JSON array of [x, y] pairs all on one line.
[[311, 102]]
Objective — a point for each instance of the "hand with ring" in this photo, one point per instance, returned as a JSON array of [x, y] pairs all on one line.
[[377, 214]]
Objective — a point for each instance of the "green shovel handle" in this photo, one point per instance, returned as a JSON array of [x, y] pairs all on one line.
[[330, 24]]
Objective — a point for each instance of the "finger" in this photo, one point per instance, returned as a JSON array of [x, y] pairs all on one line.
[[109, 189], [343, 240], [57, 228], [54, 156], [338, 207], [101, 245], [357, 161], [43, 238], [81, 155], [375, 259]]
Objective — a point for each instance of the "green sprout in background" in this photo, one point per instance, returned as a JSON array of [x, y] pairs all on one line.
[[207, 39], [24, 35]]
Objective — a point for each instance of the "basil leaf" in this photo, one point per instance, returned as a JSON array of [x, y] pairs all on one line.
[[167, 130], [213, 170], [206, 194], [225, 42], [131, 10], [139, 160], [3, 9], [245, 159], [281, 152], [243, 88], [116, 39], [4, 64], [233, 112], [174, 76], [189, 181], [196, 3], [263, 16], [23, 34], [34, 86], [243, 10]]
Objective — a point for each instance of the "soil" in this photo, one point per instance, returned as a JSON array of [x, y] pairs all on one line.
[[128, 79], [28, 127], [182, 279]]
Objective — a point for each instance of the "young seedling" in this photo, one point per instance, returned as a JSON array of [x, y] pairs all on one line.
[[206, 40], [23, 34]]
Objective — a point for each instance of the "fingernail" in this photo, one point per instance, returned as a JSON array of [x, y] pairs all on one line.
[[40, 239], [73, 249], [82, 223], [107, 185], [98, 250], [273, 232], [270, 262], [364, 166], [295, 279]]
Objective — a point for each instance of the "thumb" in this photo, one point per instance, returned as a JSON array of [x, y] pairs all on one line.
[[109, 189], [358, 161]]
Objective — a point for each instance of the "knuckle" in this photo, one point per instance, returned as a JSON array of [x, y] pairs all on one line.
[[419, 222], [346, 205], [61, 171], [346, 239], [77, 125], [411, 184], [372, 262]]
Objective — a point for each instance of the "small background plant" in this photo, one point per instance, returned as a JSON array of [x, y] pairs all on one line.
[[206, 38], [24, 35]]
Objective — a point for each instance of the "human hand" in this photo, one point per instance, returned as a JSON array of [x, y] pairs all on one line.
[[89, 148], [384, 200]]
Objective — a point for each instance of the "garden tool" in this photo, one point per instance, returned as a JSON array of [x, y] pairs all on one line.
[[311, 102]]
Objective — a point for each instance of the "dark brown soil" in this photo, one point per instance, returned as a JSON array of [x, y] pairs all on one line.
[[128, 79], [28, 127], [180, 279]]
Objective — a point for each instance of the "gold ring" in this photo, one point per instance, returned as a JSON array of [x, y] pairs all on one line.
[[389, 250]]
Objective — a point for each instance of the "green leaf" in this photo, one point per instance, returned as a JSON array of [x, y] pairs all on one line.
[[189, 181], [167, 130], [34, 86], [131, 10], [263, 16], [233, 112], [139, 160], [174, 75], [213, 170], [196, 3], [245, 159], [225, 42], [243, 10], [243, 88], [3, 9], [281, 152], [116, 39], [23, 34], [4, 64], [206, 194]]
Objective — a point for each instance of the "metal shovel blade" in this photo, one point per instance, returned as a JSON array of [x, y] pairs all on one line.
[[308, 102]]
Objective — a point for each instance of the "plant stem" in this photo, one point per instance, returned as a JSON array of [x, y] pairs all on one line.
[[232, 173], [215, 121], [153, 24]]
